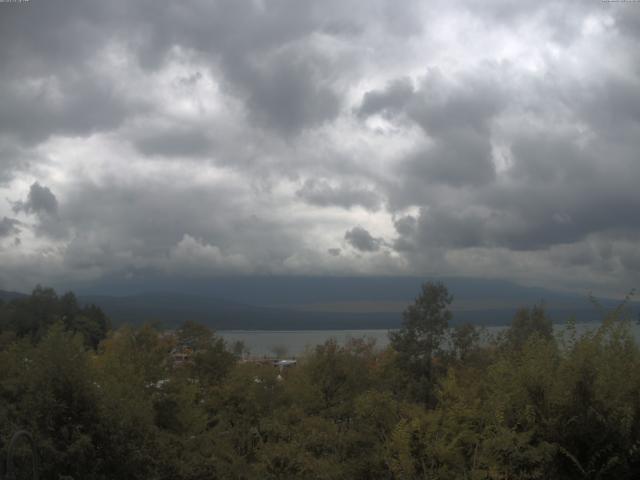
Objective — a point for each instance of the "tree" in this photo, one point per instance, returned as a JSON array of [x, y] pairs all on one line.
[[92, 323], [32, 316], [210, 359], [338, 374], [418, 341], [48, 390], [464, 339], [240, 349], [195, 335], [527, 323]]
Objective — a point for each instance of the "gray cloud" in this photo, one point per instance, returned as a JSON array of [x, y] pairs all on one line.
[[458, 159], [201, 137], [66, 104], [320, 192], [40, 201], [273, 67], [440, 104], [128, 227], [174, 142], [550, 158], [288, 92], [53, 82], [362, 240], [455, 116], [9, 226], [12, 160], [390, 101]]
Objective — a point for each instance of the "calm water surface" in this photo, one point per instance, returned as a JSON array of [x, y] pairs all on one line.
[[295, 342]]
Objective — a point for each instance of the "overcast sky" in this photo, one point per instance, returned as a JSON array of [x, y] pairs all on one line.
[[197, 138]]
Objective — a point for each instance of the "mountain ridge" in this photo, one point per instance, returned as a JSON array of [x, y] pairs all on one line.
[[319, 303]]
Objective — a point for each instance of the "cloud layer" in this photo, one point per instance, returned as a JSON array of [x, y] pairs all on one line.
[[353, 137]]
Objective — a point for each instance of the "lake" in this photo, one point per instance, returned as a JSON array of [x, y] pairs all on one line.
[[295, 342]]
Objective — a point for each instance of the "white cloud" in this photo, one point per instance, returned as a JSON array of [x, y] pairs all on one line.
[[192, 256]]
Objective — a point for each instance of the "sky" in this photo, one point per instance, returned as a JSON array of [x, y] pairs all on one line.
[[487, 139]]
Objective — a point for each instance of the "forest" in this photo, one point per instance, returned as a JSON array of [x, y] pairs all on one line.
[[440, 402]]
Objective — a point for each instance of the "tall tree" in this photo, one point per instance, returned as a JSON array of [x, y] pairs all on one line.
[[419, 340], [464, 339]]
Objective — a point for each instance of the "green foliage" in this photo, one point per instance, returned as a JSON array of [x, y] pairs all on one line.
[[48, 389], [525, 406], [526, 323], [465, 341], [420, 338], [31, 317]]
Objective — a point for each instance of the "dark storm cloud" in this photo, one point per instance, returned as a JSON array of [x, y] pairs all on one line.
[[272, 63], [50, 80], [441, 104], [538, 221], [321, 193], [557, 192], [362, 240], [566, 185], [455, 115], [446, 226], [285, 82]]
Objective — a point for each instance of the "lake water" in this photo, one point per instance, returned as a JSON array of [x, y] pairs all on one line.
[[295, 342]]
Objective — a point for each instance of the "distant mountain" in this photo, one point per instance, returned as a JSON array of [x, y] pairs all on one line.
[[171, 309], [7, 296], [291, 290], [319, 303], [302, 303]]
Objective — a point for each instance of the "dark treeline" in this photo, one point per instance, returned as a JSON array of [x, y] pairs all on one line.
[[438, 403], [31, 317]]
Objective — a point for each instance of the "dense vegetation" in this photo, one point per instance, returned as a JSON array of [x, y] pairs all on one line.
[[439, 403]]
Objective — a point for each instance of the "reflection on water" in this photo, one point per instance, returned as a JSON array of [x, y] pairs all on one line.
[[295, 342]]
